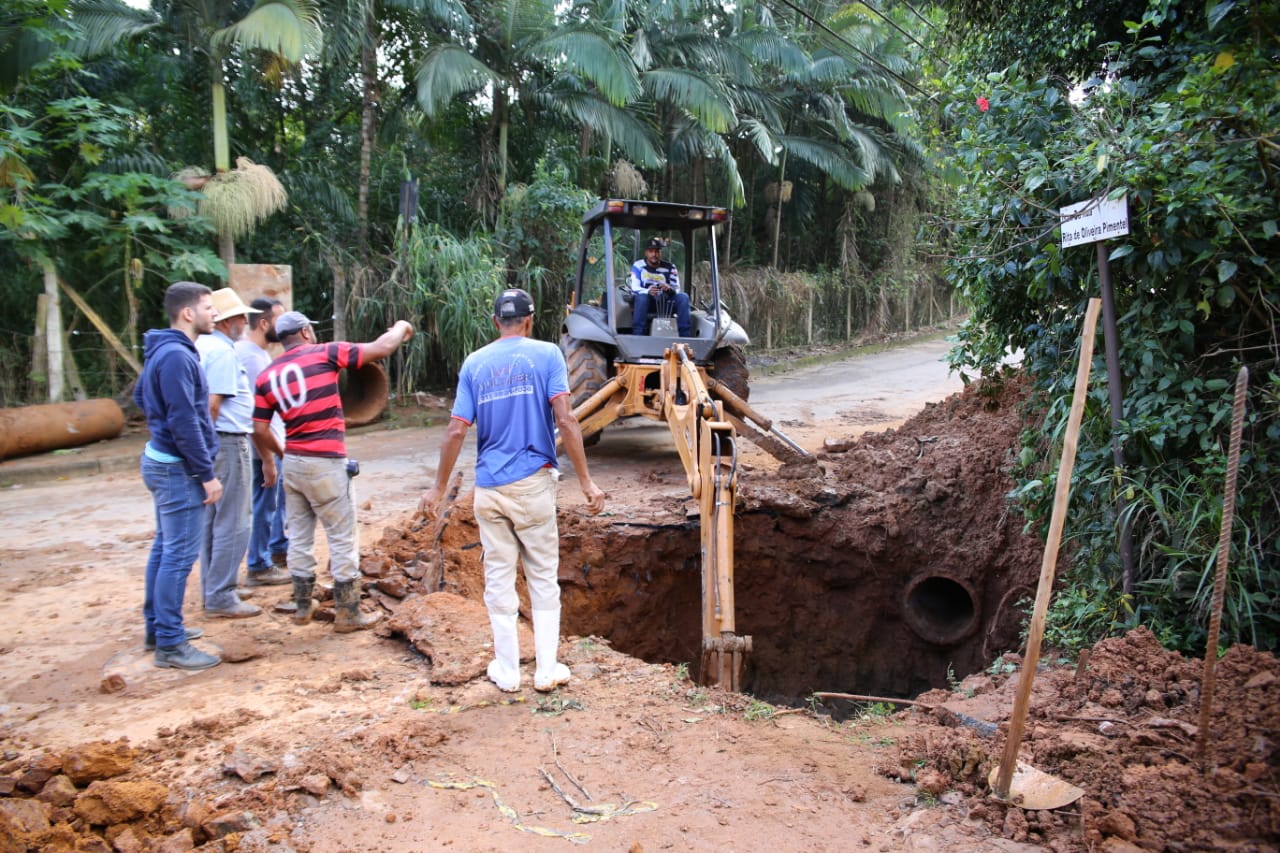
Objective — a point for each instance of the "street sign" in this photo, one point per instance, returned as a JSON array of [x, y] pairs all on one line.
[[1094, 220]]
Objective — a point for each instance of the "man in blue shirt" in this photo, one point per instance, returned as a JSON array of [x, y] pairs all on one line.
[[227, 523], [177, 467], [656, 283], [516, 392]]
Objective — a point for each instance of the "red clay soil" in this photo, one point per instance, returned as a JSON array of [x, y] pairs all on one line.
[[893, 561]]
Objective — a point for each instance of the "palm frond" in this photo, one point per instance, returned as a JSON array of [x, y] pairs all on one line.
[[448, 70], [761, 138], [594, 57], [772, 48], [699, 95], [622, 126], [829, 158], [290, 28], [100, 25]]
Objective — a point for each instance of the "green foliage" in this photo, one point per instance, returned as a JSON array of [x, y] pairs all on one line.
[[453, 284], [539, 227], [1185, 124]]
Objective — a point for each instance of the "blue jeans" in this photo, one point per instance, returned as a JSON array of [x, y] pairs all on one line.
[[267, 538], [179, 501], [663, 304]]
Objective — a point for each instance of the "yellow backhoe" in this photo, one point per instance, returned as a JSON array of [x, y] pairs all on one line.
[[695, 384]]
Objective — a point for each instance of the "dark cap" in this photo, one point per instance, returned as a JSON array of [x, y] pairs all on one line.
[[655, 243], [511, 303], [290, 323]]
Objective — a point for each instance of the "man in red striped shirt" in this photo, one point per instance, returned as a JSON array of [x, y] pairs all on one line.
[[302, 385]]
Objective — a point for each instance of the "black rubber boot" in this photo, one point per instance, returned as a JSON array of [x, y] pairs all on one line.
[[346, 609], [302, 589]]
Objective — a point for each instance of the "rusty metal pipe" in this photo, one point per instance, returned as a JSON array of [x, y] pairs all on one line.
[[364, 391], [36, 429]]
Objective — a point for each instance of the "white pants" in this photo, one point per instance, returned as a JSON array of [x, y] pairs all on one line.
[[519, 520]]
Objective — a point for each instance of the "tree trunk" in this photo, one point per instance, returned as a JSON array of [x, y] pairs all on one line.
[[221, 148], [39, 374], [339, 296], [808, 324], [227, 251], [53, 331], [777, 232], [501, 110], [369, 75]]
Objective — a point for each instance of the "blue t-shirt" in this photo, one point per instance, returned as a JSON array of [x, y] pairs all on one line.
[[505, 389]]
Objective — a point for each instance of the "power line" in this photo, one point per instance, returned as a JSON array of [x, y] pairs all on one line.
[[835, 35], [894, 24]]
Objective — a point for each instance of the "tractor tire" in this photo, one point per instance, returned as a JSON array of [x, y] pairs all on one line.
[[588, 372], [729, 368]]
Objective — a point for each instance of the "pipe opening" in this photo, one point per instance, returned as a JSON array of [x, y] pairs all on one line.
[[364, 391], [940, 609]]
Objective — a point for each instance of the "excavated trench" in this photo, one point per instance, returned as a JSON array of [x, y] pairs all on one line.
[[895, 564]]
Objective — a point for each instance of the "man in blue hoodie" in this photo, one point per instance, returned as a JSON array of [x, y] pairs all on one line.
[[177, 467]]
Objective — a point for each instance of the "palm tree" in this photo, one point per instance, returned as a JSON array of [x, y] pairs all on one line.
[[286, 30], [571, 60]]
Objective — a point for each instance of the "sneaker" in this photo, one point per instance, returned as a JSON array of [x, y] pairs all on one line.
[[184, 656], [192, 634], [274, 576], [280, 561], [239, 610]]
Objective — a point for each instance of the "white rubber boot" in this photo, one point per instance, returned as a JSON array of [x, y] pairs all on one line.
[[504, 669], [549, 673]]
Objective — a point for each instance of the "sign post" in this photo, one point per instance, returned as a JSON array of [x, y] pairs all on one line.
[[1095, 221]]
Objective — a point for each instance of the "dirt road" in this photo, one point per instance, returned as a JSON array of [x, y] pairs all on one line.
[[73, 553], [310, 741]]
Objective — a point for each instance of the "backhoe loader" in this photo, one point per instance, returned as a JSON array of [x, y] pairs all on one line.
[[697, 385]]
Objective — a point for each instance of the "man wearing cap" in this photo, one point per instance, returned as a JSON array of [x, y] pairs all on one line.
[[177, 468], [302, 385], [227, 523], [656, 283], [516, 391], [267, 541]]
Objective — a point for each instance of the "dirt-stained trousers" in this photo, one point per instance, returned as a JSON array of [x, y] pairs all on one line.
[[518, 520]]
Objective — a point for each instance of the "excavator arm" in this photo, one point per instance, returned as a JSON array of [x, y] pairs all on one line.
[[708, 447], [706, 420]]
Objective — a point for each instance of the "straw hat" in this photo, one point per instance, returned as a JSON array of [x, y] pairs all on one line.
[[228, 304]]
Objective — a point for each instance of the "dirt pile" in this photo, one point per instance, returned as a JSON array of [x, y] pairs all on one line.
[[1122, 725]]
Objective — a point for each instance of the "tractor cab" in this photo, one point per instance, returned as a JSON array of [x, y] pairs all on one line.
[[601, 306]]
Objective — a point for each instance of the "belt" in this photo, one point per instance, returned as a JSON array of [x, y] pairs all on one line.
[[234, 434]]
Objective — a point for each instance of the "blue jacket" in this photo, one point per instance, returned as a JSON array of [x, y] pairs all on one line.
[[174, 396]]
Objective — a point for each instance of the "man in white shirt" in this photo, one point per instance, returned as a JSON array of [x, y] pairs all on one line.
[[227, 522]]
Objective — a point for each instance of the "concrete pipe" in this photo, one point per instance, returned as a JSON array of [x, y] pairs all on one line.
[[364, 392], [941, 609], [36, 429]]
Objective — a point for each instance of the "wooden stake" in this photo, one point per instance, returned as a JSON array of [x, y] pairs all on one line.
[[1061, 497], [1220, 575]]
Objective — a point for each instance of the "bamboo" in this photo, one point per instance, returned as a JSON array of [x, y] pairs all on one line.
[[1061, 497], [1220, 575]]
